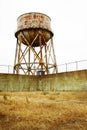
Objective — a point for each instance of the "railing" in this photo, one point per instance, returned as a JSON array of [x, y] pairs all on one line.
[[6, 69], [72, 66]]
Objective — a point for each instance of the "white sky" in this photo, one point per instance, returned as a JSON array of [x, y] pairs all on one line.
[[68, 22]]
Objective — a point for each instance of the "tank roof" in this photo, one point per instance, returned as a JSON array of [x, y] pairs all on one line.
[[34, 13]]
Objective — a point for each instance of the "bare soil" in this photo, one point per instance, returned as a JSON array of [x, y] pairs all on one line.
[[43, 110]]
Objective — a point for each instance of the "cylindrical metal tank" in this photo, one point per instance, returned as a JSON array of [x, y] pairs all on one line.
[[31, 24]]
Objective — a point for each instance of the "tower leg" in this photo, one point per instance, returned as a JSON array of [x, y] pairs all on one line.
[[31, 59]]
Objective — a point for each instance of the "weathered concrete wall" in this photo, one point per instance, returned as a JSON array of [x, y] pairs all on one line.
[[11, 82], [63, 81]]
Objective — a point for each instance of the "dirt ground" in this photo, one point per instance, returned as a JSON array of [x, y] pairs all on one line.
[[43, 110]]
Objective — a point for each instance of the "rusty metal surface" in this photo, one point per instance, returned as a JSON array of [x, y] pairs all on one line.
[[33, 23], [34, 50], [34, 20], [31, 33]]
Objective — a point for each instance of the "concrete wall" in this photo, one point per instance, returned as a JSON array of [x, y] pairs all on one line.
[[62, 81], [11, 82]]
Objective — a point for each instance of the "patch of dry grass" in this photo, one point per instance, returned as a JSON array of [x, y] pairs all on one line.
[[43, 110]]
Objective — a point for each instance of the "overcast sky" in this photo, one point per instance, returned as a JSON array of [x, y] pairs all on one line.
[[68, 22]]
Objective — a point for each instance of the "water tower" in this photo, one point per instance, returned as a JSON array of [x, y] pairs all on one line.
[[34, 49]]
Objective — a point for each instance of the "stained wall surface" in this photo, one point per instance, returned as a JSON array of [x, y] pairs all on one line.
[[76, 80], [64, 81], [13, 82]]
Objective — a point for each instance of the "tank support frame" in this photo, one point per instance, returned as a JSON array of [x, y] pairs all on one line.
[[30, 58]]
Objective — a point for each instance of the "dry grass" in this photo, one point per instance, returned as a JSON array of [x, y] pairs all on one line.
[[43, 110]]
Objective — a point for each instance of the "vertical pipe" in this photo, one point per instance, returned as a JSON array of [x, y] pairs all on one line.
[[29, 62], [55, 65], [41, 59], [46, 59], [15, 57], [19, 52]]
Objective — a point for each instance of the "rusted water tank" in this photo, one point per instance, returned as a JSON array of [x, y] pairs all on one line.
[[31, 24]]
